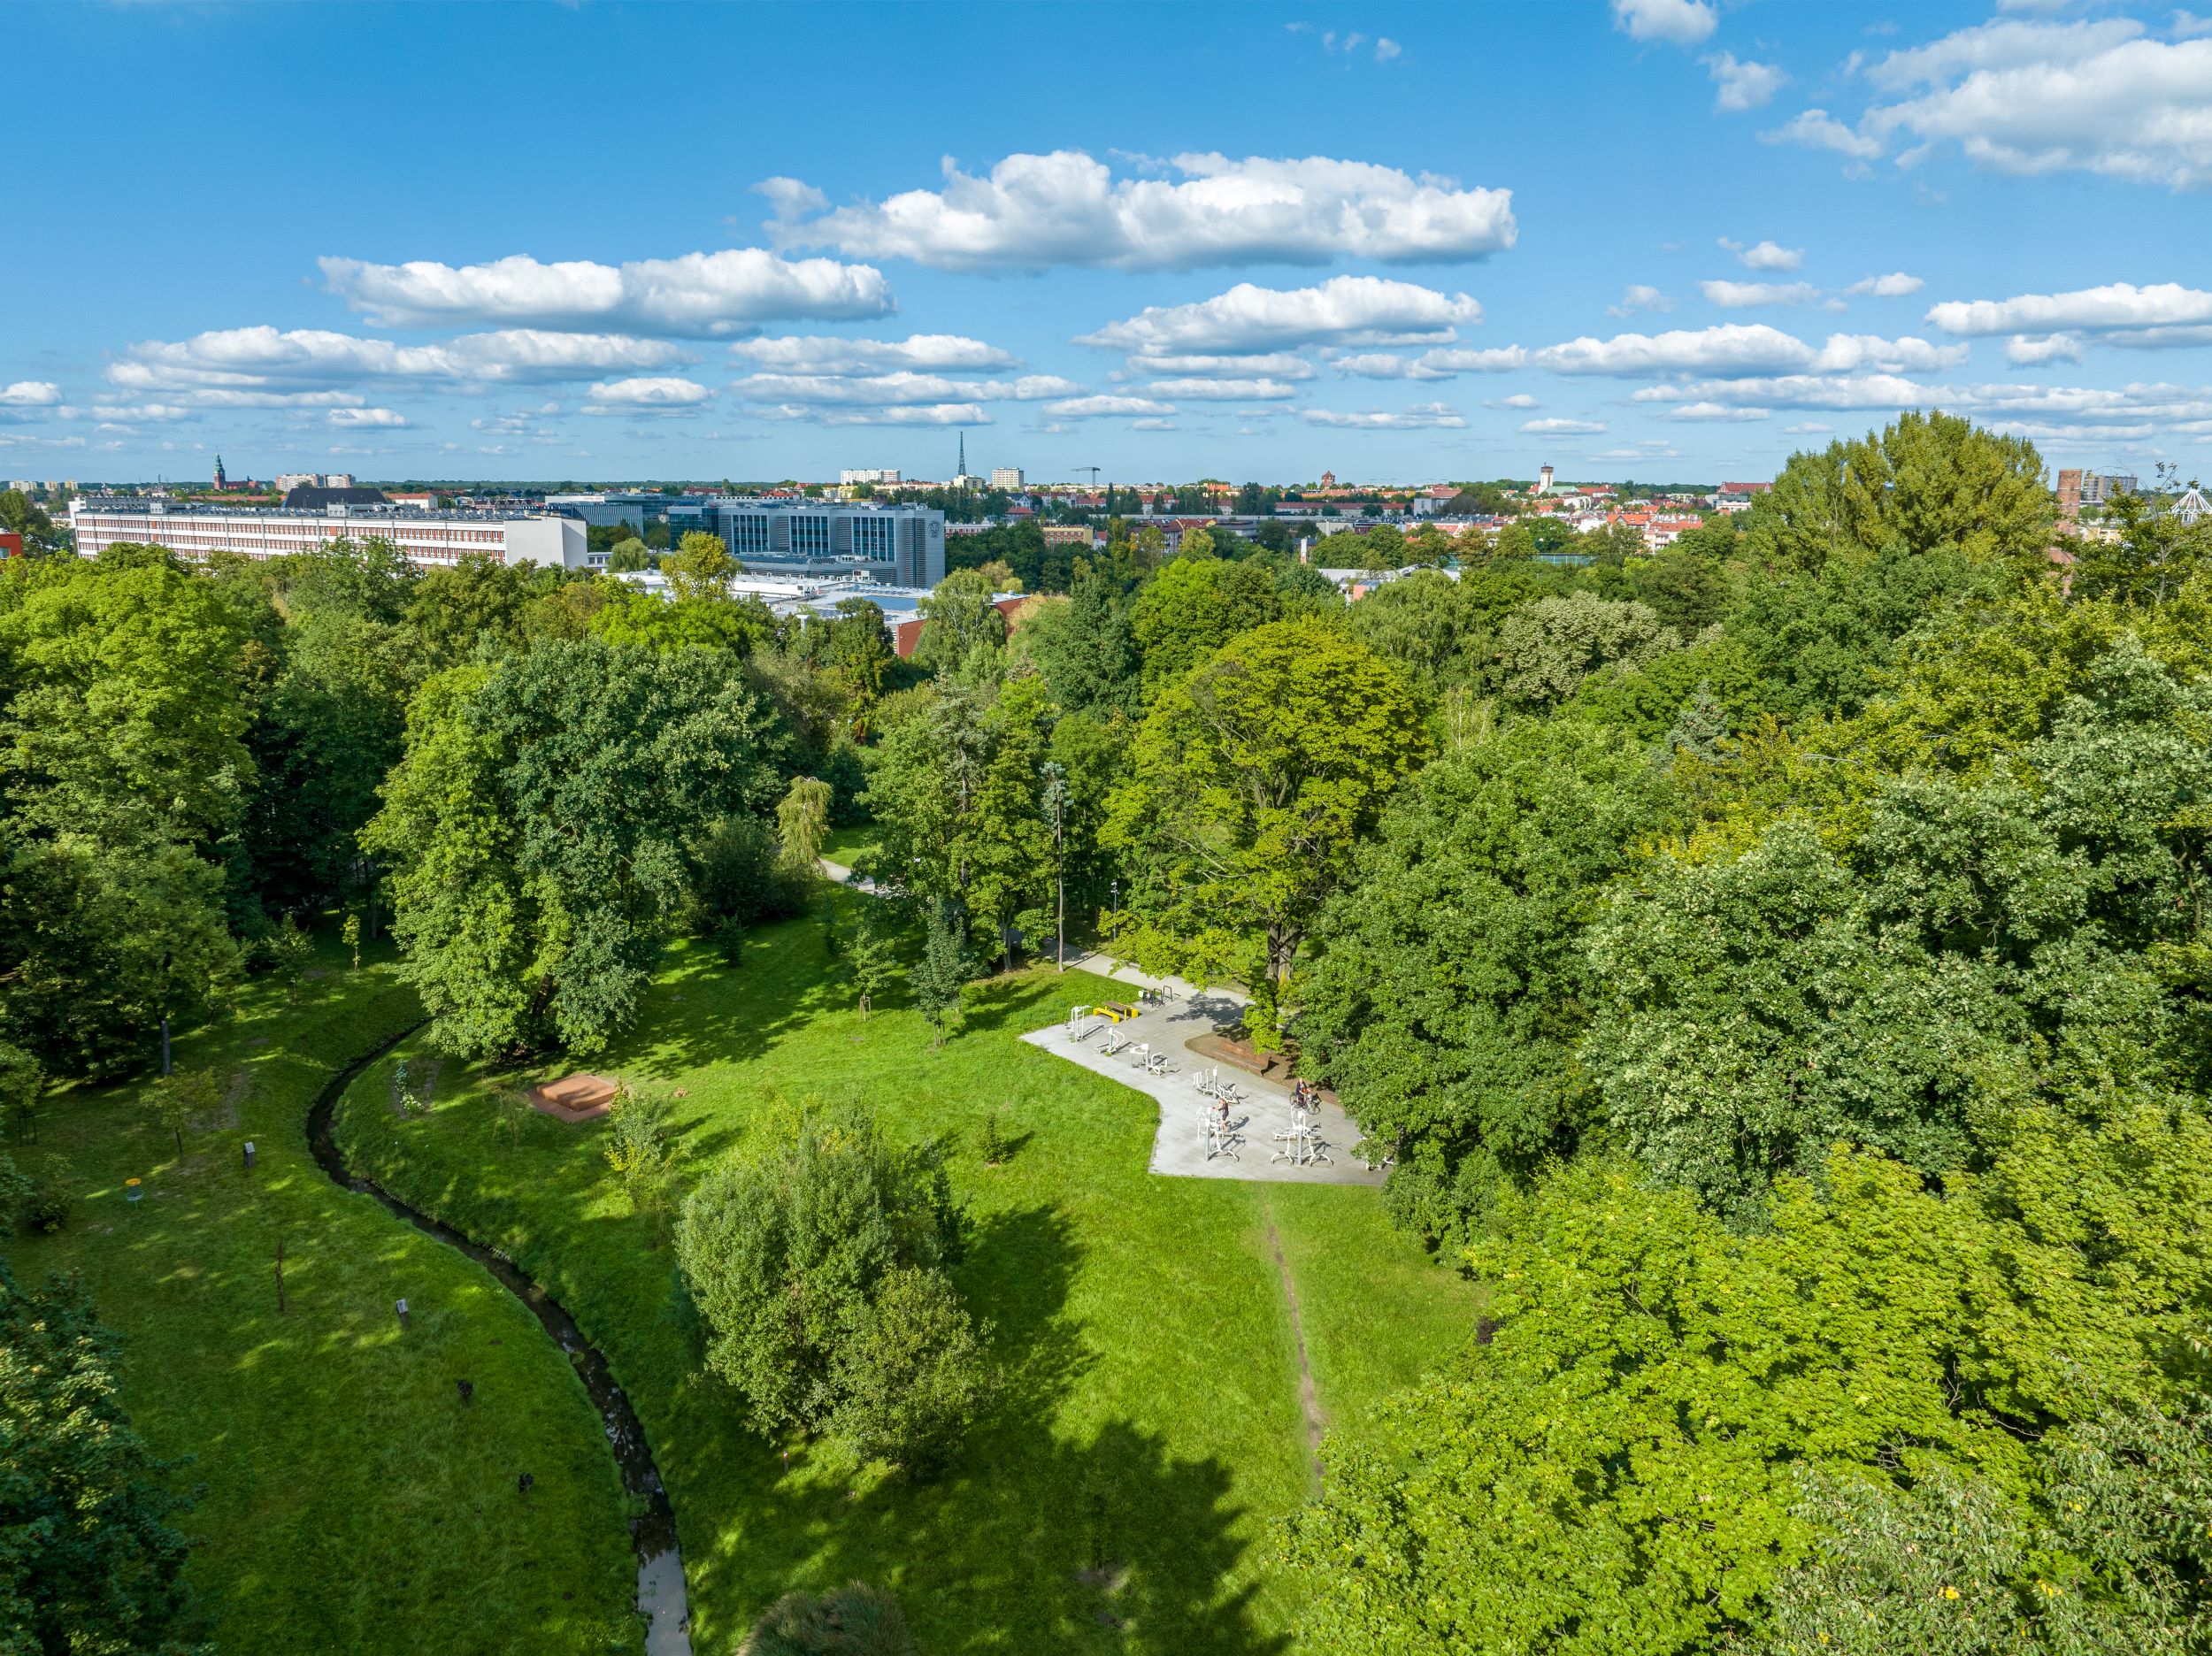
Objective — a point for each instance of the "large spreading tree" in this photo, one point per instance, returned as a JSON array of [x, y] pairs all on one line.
[[542, 826], [1254, 782]]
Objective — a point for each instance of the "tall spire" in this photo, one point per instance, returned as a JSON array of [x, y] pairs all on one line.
[[964, 454]]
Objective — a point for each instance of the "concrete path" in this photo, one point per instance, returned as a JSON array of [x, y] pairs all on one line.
[[1179, 1147]]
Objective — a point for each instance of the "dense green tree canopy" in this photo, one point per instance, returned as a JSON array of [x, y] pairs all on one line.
[[1253, 783], [538, 826]]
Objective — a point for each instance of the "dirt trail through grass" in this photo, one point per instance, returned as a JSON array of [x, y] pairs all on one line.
[[1309, 1398]]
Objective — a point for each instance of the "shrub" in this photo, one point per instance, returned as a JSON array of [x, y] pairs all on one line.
[[738, 879], [16, 1191], [21, 1081], [991, 1143], [913, 1377], [53, 1194], [853, 1621], [784, 1247]]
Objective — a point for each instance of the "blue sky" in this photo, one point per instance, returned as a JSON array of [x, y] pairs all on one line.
[[1650, 239]]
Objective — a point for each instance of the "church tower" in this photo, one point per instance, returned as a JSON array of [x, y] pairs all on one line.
[[219, 474]]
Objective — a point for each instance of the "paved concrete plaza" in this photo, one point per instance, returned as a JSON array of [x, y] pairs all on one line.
[[1179, 1147]]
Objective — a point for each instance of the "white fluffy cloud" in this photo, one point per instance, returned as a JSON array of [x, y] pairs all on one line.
[[645, 394], [2115, 306], [1342, 310], [866, 390], [1640, 298], [1518, 400], [2097, 97], [1556, 428], [262, 366], [1732, 348], [1106, 406], [30, 394], [700, 294], [1852, 353], [1896, 285], [1812, 391], [1735, 295], [884, 392], [1267, 365], [921, 352], [1818, 129], [922, 414], [1765, 255], [366, 419], [1223, 390], [1442, 362], [1066, 208], [2030, 350], [1715, 411], [1882, 393], [1419, 417], [1743, 85], [1736, 349], [1682, 22]]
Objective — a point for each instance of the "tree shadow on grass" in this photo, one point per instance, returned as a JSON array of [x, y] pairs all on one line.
[[1042, 1535]]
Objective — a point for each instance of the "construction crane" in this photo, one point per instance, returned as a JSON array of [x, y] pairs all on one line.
[[1094, 470]]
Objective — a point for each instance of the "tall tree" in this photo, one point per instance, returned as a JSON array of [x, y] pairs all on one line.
[[1254, 782], [1192, 608], [538, 824], [1452, 983], [959, 619]]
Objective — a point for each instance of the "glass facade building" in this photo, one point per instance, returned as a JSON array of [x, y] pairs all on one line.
[[895, 545]]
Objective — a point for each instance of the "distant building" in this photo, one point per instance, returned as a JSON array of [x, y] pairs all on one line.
[[1328, 479], [899, 546], [851, 475], [219, 474], [1007, 478], [2098, 488], [430, 539], [2069, 493], [1745, 488], [635, 508], [1543, 480], [11, 543], [1069, 535], [321, 497]]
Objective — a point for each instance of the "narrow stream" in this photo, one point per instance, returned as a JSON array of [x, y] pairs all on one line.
[[660, 1565]]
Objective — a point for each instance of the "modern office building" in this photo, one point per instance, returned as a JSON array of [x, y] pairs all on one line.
[[428, 537], [899, 546], [1007, 478], [635, 508]]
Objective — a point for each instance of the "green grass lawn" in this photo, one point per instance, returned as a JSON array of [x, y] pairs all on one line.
[[843, 845], [348, 1502], [1153, 1423]]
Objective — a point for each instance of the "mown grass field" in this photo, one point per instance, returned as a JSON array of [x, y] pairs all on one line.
[[348, 1502], [1120, 1500]]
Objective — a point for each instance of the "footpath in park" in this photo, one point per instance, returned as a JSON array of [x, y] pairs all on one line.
[[1162, 1030], [1164, 1027]]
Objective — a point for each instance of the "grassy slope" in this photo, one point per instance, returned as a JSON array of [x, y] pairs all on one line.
[[350, 1503], [1154, 1421]]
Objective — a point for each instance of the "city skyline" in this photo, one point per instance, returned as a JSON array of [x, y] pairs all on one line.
[[1659, 238]]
